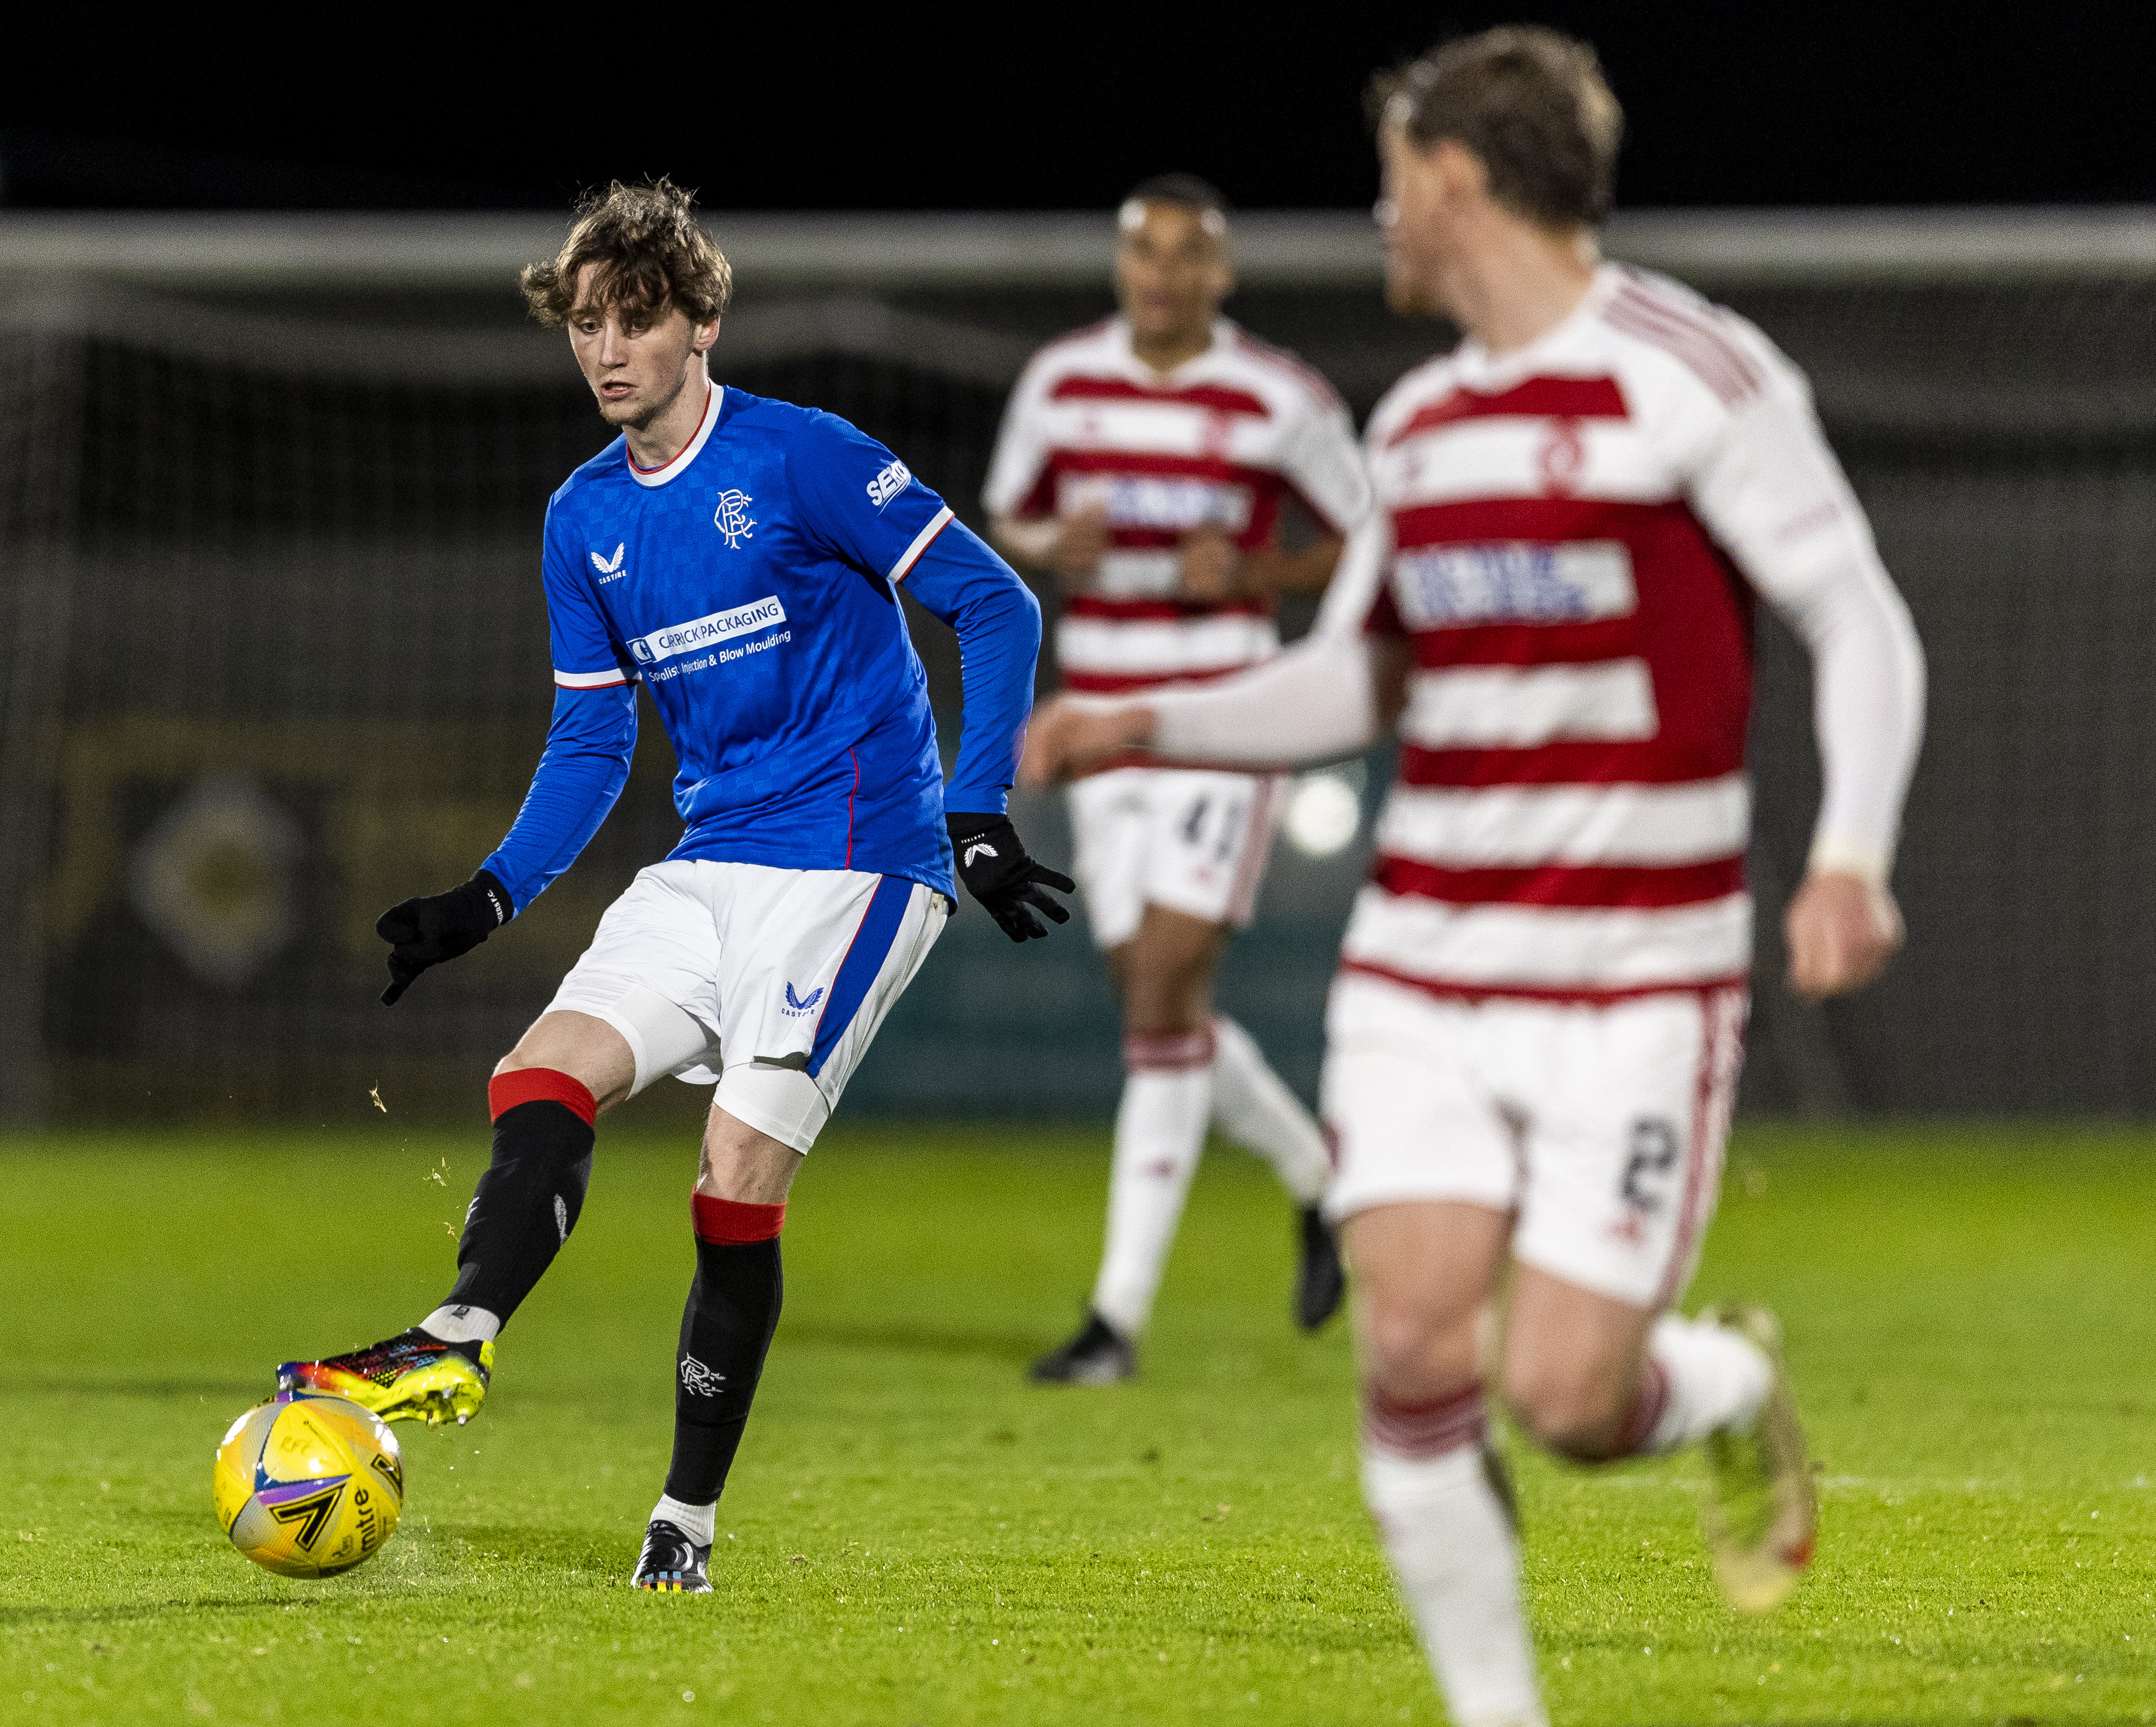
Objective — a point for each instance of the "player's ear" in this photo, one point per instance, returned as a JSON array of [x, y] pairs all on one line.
[[704, 337], [1461, 172]]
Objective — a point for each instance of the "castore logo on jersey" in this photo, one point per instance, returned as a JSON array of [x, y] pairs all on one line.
[[732, 517], [610, 571], [797, 1005]]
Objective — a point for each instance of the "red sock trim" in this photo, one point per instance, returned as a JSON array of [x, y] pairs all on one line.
[[734, 1223], [540, 1085], [1646, 1413], [1425, 1430], [1167, 1052]]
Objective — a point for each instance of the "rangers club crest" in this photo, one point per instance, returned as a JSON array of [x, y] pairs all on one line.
[[732, 518]]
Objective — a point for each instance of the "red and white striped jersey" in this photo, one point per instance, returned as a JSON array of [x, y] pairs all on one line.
[[1224, 441], [1569, 537]]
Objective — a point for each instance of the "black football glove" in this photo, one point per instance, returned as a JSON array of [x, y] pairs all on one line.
[[993, 864], [425, 932]]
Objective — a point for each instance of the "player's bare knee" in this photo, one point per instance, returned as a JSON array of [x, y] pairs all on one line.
[[580, 1047], [742, 1164], [1414, 1351], [1573, 1412], [1167, 993], [1164, 973]]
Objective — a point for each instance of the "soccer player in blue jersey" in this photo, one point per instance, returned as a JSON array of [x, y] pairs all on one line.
[[742, 558]]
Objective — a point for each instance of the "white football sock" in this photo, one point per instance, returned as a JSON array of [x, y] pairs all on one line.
[[1711, 1377], [461, 1325], [1253, 1106], [1160, 1134], [1458, 1564], [697, 1522]]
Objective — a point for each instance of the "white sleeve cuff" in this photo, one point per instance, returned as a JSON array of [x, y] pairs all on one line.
[[590, 680], [912, 556], [1832, 854]]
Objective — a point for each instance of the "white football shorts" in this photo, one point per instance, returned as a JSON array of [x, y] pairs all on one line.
[[1190, 840], [1600, 1128], [769, 983]]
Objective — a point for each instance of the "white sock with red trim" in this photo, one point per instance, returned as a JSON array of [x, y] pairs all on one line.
[[1160, 1134], [1253, 1105], [1450, 1538], [1700, 1377]]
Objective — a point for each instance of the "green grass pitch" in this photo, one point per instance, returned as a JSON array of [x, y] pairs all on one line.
[[914, 1536]]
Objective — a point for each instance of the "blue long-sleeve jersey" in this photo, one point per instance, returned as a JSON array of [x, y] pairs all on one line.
[[752, 585]]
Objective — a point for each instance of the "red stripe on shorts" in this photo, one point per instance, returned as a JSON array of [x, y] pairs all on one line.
[[1718, 1032], [1257, 846]]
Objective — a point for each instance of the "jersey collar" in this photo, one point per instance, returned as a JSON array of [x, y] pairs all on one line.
[[688, 452], [1224, 333], [1486, 369]]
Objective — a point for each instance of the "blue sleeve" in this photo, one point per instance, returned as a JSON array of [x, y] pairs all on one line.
[[585, 653], [585, 767], [593, 736], [860, 499], [960, 580]]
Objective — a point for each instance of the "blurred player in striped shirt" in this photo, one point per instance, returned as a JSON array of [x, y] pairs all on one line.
[[1148, 463], [1534, 1038]]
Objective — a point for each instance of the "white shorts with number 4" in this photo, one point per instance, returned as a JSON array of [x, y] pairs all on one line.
[[1600, 1128], [1192, 841], [770, 982]]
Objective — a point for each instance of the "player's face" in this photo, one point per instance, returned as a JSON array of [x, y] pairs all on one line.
[[1171, 270], [637, 364], [1414, 210]]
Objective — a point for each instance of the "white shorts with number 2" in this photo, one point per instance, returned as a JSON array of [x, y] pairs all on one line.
[[1600, 1126]]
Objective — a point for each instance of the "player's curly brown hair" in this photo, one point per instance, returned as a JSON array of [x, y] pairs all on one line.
[[651, 252], [1531, 103]]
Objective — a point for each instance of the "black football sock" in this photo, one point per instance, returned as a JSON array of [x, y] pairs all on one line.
[[528, 1200], [726, 1332]]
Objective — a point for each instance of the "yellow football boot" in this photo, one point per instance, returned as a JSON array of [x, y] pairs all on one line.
[[1760, 1509], [410, 1377]]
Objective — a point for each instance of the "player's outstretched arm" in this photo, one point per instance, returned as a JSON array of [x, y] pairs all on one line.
[[585, 765], [1333, 694], [997, 621]]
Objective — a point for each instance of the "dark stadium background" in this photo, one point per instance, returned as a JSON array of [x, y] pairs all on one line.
[[269, 540], [929, 108]]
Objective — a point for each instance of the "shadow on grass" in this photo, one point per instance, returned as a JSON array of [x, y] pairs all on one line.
[[537, 1549], [245, 1393], [914, 1340], [450, 1548], [126, 1613]]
